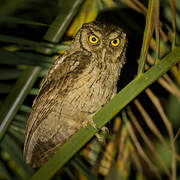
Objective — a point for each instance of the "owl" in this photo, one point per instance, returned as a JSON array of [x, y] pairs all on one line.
[[78, 84]]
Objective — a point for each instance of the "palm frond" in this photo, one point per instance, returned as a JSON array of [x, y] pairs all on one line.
[[146, 120]]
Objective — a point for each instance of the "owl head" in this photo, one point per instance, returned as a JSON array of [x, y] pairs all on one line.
[[106, 42]]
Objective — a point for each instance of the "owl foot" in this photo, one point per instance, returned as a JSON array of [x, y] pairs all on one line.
[[101, 137], [87, 119], [85, 123], [92, 123], [105, 130]]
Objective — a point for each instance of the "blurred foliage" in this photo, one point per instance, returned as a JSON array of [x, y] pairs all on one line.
[[143, 142]]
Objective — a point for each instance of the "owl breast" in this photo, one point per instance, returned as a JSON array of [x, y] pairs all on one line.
[[93, 88]]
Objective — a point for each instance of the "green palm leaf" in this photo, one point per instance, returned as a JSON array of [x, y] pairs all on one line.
[[25, 60]]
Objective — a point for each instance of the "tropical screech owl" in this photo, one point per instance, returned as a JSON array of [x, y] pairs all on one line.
[[78, 84]]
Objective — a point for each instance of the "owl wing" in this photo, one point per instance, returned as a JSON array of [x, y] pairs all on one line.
[[57, 84]]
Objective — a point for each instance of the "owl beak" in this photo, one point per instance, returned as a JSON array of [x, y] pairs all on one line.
[[103, 54]]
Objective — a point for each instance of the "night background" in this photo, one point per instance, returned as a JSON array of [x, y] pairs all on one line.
[[143, 119]]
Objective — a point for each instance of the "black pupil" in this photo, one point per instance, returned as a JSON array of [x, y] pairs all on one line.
[[115, 41], [93, 39]]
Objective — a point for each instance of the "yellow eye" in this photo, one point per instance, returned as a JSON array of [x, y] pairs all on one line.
[[115, 42], [93, 39]]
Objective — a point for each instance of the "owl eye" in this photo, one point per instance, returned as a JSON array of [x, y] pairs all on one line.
[[115, 42], [93, 39]]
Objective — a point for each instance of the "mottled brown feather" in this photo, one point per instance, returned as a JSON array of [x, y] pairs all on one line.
[[47, 98]]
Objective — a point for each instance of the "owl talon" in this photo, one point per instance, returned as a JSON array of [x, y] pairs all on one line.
[[93, 124], [105, 129], [84, 124], [100, 137]]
